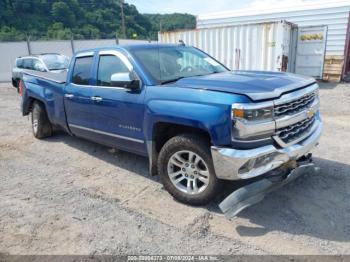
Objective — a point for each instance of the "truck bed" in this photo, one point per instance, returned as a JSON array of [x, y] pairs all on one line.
[[55, 77]]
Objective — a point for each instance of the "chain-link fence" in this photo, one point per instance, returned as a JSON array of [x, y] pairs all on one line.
[[9, 51]]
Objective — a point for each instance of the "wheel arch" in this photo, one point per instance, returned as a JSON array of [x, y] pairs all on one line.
[[162, 132], [28, 106]]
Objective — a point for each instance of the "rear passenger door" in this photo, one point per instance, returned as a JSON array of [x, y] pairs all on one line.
[[77, 97]]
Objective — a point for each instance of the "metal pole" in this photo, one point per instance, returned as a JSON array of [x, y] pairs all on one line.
[[123, 18], [72, 43], [28, 45], [116, 38]]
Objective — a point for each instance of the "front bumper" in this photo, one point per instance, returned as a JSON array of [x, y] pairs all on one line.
[[234, 164], [255, 192]]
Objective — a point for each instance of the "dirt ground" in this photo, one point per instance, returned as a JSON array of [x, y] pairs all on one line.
[[65, 195]]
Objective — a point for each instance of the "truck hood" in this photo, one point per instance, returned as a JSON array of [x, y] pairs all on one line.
[[257, 85]]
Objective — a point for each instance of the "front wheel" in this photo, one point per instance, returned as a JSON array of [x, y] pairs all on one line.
[[186, 170], [41, 125]]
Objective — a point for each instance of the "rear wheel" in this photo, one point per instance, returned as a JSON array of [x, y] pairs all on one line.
[[15, 82], [187, 171], [41, 125]]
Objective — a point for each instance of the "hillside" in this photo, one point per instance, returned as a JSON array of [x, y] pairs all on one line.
[[82, 19]]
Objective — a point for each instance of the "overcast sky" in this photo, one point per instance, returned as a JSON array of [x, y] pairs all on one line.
[[204, 6]]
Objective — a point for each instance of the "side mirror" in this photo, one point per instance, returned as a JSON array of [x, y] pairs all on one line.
[[125, 80]]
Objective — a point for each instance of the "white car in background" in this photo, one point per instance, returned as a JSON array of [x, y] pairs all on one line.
[[50, 62]]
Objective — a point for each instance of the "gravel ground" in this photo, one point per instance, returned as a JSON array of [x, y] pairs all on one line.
[[65, 195]]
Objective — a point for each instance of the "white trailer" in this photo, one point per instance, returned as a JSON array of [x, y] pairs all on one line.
[[329, 18], [265, 46]]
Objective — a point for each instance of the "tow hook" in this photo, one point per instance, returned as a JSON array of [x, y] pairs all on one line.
[[255, 192]]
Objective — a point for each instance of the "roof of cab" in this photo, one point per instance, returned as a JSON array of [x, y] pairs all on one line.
[[127, 47]]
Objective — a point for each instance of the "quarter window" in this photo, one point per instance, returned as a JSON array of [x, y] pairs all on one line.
[[107, 66], [81, 71]]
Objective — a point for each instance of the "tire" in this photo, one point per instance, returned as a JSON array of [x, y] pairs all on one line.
[[185, 161], [41, 125], [15, 83]]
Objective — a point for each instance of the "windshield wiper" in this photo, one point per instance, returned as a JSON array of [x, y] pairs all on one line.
[[172, 80], [178, 78]]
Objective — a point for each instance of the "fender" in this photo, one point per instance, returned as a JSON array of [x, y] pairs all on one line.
[[215, 121], [204, 109], [47, 92], [31, 91]]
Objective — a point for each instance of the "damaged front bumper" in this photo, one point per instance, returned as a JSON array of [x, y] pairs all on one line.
[[235, 164], [256, 191], [274, 166]]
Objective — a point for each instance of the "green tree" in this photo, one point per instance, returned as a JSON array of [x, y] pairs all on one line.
[[58, 31], [170, 22], [85, 19], [11, 34], [62, 13]]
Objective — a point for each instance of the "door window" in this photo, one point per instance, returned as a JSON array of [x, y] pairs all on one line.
[[28, 63], [107, 66], [81, 71]]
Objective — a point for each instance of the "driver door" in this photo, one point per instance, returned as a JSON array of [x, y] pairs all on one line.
[[118, 112]]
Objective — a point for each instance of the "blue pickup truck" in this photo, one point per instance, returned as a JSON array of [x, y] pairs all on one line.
[[198, 123]]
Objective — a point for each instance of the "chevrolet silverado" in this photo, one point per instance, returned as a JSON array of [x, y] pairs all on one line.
[[198, 123]]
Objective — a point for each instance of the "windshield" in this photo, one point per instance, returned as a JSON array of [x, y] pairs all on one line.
[[166, 64], [56, 62]]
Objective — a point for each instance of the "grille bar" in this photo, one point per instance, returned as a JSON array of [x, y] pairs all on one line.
[[293, 132], [295, 106]]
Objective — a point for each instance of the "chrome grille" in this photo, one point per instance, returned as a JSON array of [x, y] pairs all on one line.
[[293, 132], [295, 106]]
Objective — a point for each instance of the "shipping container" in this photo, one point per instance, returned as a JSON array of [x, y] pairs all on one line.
[[264, 46], [332, 15]]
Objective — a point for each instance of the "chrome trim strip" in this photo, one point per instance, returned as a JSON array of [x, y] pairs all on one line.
[[112, 87], [120, 55], [283, 144], [107, 134], [293, 119]]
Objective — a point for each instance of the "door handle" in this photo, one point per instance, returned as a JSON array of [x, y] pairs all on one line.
[[96, 98], [69, 96]]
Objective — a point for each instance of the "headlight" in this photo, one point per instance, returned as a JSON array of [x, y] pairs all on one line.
[[250, 112], [252, 121]]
